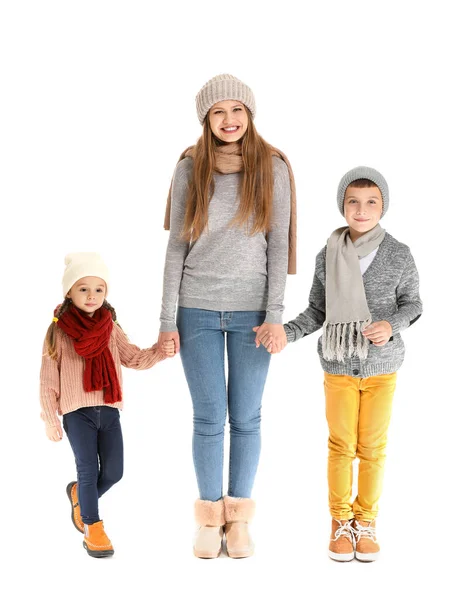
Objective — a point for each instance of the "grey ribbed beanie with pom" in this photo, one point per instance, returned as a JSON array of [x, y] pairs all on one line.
[[363, 173], [223, 87]]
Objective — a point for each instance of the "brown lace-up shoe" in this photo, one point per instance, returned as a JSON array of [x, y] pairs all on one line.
[[342, 541], [366, 544]]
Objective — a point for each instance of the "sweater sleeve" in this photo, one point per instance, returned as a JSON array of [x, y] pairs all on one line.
[[313, 317], [133, 357], [409, 305], [177, 248], [50, 387], [277, 243]]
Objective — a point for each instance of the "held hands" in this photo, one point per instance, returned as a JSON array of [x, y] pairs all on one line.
[[54, 432], [168, 348], [168, 342], [272, 336], [378, 332]]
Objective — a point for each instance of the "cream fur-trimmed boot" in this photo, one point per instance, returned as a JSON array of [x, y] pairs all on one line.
[[238, 512], [210, 518]]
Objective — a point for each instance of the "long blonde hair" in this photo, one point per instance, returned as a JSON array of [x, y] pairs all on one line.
[[256, 186], [50, 339]]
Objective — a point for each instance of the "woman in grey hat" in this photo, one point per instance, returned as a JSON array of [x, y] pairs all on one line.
[[231, 216]]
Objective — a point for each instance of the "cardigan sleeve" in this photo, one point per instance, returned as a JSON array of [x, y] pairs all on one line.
[[133, 357], [409, 305], [313, 317], [177, 248], [277, 243], [50, 386]]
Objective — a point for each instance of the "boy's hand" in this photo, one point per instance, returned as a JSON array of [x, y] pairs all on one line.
[[54, 432], [168, 348], [272, 336], [167, 336], [378, 333]]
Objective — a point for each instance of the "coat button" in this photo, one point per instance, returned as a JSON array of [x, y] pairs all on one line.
[[355, 371]]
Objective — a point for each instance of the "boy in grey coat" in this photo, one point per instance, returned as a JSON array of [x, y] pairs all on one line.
[[365, 292]]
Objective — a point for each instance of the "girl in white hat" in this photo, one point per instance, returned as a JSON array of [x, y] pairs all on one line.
[[81, 380]]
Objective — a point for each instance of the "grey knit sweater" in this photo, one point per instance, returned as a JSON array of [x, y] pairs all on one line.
[[392, 290], [226, 269]]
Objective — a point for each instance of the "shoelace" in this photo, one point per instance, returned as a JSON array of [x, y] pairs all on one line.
[[345, 529], [367, 531]]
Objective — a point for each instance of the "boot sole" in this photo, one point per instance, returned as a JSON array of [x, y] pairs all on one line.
[[341, 557], [239, 554], [206, 556], [246, 553], [68, 491], [98, 553], [369, 557]]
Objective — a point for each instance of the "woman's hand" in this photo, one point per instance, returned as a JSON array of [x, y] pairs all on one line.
[[168, 336], [54, 432], [272, 336], [378, 333]]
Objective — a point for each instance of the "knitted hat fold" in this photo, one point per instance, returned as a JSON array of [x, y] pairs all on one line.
[[223, 87], [363, 173], [83, 264]]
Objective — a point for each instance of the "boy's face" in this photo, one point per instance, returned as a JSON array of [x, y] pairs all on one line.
[[88, 294], [363, 208]]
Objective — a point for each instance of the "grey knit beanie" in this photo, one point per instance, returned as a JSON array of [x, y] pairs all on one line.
[[223, 87], [363, 173]]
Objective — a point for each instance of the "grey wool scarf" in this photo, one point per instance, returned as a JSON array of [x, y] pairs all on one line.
[[347, 312]]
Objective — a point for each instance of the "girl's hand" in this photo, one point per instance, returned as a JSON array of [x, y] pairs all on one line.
[[54, 432], [378, 333], [168, 348], [168, 336], [272, 336]]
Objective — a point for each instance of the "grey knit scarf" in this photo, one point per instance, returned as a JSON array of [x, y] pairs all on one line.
[[347, 312]]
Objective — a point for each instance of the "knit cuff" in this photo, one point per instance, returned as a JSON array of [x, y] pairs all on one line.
[[394, 322], [290, 334]]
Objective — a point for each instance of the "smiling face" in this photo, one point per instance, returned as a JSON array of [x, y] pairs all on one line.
[[88, 294], [228, 120], [363, 207]]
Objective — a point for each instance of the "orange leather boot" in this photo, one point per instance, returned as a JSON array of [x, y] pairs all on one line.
[[96, 542], [75, 515]]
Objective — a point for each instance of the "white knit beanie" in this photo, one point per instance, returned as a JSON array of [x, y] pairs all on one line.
[[223, 87], [83, 264]]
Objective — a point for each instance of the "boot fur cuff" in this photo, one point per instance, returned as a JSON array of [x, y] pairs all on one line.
[[209, 513], [238, 510]]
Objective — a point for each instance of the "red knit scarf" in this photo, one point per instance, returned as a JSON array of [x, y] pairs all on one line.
[[91, 341]]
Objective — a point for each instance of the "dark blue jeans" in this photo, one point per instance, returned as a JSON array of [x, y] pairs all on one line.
[[96, 439]]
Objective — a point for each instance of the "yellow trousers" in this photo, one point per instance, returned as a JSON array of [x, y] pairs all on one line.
[[358, 414]]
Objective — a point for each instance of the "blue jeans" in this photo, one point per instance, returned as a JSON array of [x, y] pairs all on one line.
[[96, 440], [202, 336]]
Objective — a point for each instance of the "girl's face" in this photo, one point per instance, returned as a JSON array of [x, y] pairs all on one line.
[[363, 208], [88, 294], [228, 120]]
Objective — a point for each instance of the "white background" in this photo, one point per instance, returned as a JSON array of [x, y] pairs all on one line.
[[97, 102]]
